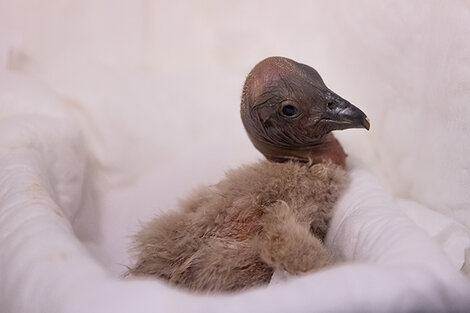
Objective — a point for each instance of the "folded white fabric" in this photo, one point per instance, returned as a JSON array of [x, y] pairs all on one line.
[[390, 265], [387, 264], [369, 227], [453, 236]]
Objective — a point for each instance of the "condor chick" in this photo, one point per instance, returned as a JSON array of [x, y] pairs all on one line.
[[268, 216]]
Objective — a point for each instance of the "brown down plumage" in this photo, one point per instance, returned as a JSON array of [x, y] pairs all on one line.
[[268, 216]]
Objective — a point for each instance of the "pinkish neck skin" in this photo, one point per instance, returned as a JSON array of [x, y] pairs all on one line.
[[328, 149]]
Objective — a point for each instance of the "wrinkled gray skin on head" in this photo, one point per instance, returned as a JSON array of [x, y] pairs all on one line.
[[286, 106]]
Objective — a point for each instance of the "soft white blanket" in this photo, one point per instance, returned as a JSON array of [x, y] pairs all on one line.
[[387, 264]]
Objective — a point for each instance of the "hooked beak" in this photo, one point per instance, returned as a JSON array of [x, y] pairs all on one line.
[[340, 114]]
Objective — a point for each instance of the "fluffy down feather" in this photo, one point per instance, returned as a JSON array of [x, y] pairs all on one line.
[[233, 235]]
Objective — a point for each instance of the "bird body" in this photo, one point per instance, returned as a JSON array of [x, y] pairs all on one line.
[[232, 235], [268, 216]]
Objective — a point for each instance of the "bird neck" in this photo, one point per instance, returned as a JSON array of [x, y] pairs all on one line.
[[327, 149]]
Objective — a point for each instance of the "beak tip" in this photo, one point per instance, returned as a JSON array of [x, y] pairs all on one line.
[[366, 123]]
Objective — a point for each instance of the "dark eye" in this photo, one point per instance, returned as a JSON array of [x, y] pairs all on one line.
[[289, 110]]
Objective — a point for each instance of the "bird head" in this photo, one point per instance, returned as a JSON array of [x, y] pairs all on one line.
[[286, 107]]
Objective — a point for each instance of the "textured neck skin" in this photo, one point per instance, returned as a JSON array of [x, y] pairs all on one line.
[[327, 149]]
